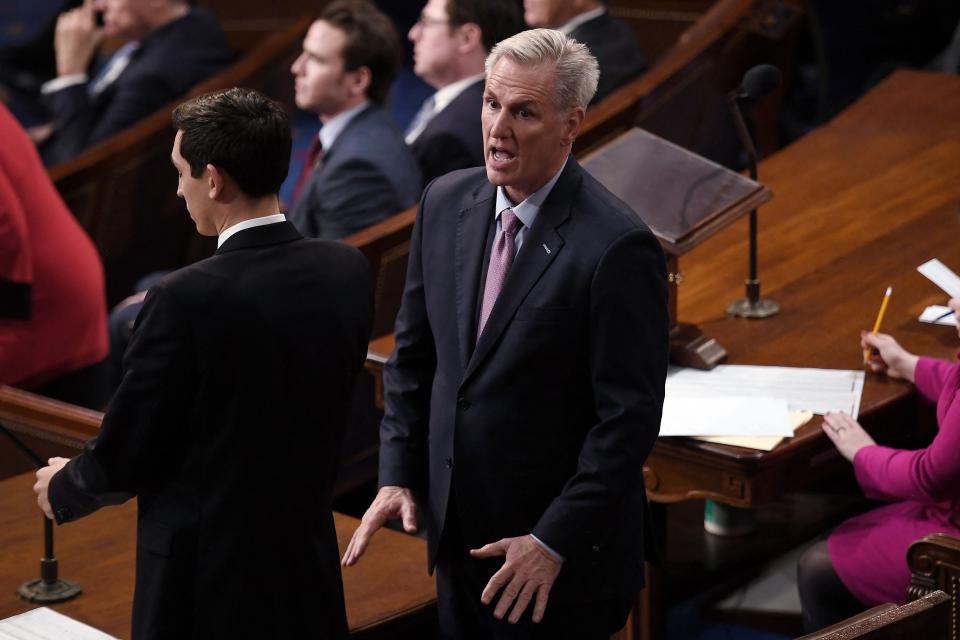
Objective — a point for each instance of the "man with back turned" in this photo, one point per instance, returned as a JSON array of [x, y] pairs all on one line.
[[229, 416], [526, 386]]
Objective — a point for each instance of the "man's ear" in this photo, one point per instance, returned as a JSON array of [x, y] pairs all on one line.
[[571, 124], [360, 79], [470, 36], [216, 181]]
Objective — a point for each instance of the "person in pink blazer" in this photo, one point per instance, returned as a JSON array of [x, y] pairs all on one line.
[[863, 562]]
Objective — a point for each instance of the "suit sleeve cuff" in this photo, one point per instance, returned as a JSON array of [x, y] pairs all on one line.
[[62, 82], [556, 556]]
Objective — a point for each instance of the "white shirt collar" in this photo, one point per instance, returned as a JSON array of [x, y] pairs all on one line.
[[528, 209], [447, 94], [576, 21], [332, 129], [249, 224]]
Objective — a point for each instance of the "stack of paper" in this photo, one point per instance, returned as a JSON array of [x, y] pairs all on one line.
[[46, 624], [754, 402]]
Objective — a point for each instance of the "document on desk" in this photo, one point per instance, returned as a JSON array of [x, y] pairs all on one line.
[[941, 275], [717, 394], [43, 623]]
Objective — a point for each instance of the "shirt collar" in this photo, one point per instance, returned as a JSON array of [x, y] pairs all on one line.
[[332, 129], [528, 209], [447, 94], [576, 21], [249, 224]]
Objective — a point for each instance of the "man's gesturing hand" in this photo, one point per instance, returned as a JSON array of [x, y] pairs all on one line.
[[528, 570], [390, 503]]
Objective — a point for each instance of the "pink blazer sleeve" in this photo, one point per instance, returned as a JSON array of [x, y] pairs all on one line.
[[928, 475]]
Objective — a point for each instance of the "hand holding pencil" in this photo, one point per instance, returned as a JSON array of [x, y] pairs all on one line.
[[876, 325]]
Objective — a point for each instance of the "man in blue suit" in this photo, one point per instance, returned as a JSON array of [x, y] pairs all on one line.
[[527, 383], [610, 40], [168, 47], [359, 170], [451, 40]]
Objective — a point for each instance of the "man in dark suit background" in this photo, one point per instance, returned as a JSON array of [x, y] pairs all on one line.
[[228, 420], [526, 386], [610, 40], [168, 47], [451, 40], [359, 171]]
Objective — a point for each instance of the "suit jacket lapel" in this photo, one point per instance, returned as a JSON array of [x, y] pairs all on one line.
[[472, 225], [540, 247]]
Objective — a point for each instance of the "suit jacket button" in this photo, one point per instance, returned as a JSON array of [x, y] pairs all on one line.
[[463, 404], [449, 463], [63, 514], [595, 548]]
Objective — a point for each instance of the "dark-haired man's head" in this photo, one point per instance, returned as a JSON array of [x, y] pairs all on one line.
[[231, 152], [350, 54], [452, 37]]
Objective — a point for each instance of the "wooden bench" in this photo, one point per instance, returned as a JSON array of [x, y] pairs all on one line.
[[925, 618], [935, 565]]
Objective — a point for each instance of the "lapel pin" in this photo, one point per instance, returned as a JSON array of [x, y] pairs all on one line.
[[546, 248]]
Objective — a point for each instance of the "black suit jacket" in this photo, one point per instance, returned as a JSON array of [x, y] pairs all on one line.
[[454, 138], [367, 175], [168, 63], [544, 426], [616, 49], [227, 427]]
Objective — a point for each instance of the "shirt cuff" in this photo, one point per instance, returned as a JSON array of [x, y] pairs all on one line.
[[556, 556], [62, 82]]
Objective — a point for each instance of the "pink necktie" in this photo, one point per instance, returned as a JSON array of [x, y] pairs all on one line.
[[500, 262]]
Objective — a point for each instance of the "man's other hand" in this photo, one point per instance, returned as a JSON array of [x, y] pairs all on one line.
[[528, 571], [391, 503], [76, 39], [43, 483]]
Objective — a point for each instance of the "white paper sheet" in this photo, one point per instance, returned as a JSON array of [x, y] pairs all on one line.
[[816, 390], [46, 624], [725, 416], [934, 311], [941, 275]]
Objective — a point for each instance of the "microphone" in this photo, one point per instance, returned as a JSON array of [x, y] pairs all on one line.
[[758, 82], [48, 588]]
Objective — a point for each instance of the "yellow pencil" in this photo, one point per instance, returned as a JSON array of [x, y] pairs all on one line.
[[876, 325]]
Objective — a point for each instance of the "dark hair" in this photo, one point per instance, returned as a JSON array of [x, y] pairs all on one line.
[[240, 131], [371, 41], [497, 19]]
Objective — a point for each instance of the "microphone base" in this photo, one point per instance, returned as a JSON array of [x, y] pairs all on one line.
[[48, 592], [754, 309]]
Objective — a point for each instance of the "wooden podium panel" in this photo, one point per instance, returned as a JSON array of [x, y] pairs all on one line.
[[388, 585]]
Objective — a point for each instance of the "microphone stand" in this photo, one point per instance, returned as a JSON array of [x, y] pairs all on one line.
[[753, 306], [48, 588]]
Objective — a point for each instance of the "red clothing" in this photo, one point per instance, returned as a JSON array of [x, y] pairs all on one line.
[[869, 552], [62, 324]]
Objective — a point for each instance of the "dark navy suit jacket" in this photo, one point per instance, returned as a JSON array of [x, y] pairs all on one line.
[[616, 49], [168, 63], [369, 174], [544, 425], [227, 427], [453, 139]]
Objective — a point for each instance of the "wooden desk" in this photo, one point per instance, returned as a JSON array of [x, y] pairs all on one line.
[[858, 205], [388, 585]]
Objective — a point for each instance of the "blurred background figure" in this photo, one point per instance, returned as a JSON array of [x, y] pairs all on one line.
[[611, 41], [451, 41], [167, 47], [53, 331]]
